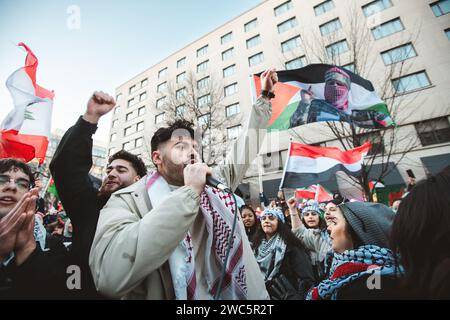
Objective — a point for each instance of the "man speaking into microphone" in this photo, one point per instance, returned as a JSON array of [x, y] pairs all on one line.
[[166, 236]]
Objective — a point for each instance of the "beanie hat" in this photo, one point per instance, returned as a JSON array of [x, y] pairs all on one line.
[[274, 212], [311, 205], [371, 222]]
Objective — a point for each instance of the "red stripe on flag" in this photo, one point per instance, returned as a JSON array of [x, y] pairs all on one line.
[[346, 157], [23, 146]]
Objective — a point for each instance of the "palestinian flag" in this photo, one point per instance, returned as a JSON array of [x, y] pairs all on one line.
[[52, 188], [322, 92], [25, 131], [308, 165], [323, 195], [375, 184]]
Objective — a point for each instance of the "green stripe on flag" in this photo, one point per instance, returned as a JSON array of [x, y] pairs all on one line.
[[283, 120]]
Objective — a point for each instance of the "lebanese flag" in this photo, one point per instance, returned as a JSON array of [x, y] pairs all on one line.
[[307, 165], [365, 107], [25, 131], [310, 193]]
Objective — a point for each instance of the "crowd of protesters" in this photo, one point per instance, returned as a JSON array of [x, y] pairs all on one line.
[[128, 239]]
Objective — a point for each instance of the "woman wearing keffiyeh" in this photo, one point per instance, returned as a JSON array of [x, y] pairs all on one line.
[[285, 265], [362, 267]]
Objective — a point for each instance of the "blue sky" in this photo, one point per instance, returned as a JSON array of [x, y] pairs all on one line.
[[116, 40]]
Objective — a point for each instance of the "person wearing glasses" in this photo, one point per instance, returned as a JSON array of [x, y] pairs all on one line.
[[26, 269]]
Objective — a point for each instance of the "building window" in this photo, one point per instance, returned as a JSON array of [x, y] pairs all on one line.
[[227, 54], [398, 54], [128, 131], [251, 25], [180, 110], [254, 41], [330, 26], [228, 71], [447, 33], [113, 137], [181, 62], [139, 142], [203, 83], [387, 28], [287, 25], [337, 48], [323, 7], [232, 109], [143, 96], [351, 67], [118, 97], [127, 146], [111, 151], [226, 38], [181, 77], [282, 8], [161, 87], [433, 131], [202, 51], [141, 111], [203, 120], [440, 7], [376, 6], [144, 83], [140, 126], [411, 82], [230, 89], [290, 44], [255, 59], [162, 73], [295, 63], [130, 116], [115, 123], [160, 118], [131, 102], [160, 102], [233, 132], [202, 66], [203, 100], [132, 89], [117, 110], [180, 93]]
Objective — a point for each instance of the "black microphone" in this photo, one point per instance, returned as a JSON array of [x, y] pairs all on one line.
[[213, 182]]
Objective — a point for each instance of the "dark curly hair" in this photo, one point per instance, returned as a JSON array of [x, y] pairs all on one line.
[[135, 161], [8, 163], [164, 134]]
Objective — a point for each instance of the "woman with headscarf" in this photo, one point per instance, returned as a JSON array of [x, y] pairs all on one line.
[[282, 259], [363, 267]]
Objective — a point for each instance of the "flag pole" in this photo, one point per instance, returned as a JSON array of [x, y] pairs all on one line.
[[316, 196]]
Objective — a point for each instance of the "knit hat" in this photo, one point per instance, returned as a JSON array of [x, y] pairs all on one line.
[[370, 221], [274, 212], [311, 205]]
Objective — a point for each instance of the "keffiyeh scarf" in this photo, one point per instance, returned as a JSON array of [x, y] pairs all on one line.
[[354, 264], [270, 255]]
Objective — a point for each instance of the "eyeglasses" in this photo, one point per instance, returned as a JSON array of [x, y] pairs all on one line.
[[21, 183], [270, 217]]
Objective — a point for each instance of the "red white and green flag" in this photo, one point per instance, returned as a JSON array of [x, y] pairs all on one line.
[[25, 131], [322, 92], [315, 192], [308, 165]]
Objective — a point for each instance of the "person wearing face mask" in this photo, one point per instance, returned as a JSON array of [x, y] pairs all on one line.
[[166, 237], [363, 266], [282, 258]]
